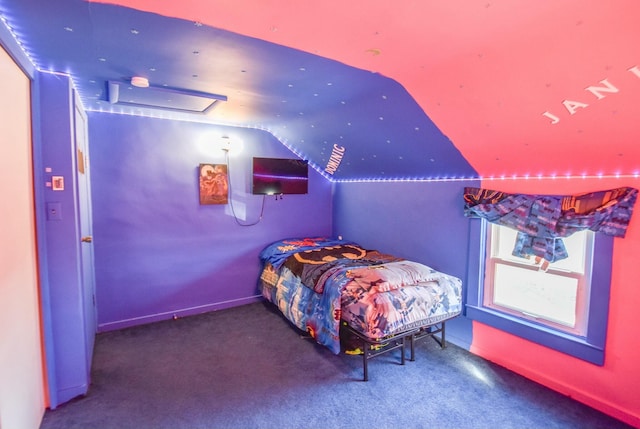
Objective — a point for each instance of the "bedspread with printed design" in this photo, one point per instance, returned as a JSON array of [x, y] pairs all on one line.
[[317, 282]]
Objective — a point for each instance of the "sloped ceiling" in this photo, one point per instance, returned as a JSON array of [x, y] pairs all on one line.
[[391, 90]]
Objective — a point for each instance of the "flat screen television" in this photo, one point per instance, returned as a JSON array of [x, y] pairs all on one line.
[[277, 176]]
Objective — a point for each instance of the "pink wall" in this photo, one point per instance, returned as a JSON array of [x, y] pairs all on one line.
[[612, 388]]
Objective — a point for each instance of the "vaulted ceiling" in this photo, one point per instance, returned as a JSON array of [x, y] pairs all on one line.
[[393, 90]]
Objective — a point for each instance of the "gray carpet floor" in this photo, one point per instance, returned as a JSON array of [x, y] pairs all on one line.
[[247, 367]]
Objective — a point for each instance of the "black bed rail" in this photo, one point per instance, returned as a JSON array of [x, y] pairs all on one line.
[[376, 347]]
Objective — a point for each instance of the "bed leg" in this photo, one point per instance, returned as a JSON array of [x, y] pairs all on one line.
[[444, 341], [402, 348], [365, 361], [412, 347]]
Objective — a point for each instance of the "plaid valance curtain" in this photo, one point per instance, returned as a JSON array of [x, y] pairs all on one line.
[[542, 220]]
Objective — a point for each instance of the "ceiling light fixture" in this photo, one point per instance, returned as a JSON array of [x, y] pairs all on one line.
[[140, 82]]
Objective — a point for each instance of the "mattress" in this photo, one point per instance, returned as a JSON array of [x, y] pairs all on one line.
[[317, 283]]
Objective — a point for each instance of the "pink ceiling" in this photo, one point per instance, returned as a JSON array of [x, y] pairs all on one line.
[[484, 71]]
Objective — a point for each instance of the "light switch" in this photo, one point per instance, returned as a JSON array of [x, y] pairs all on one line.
[[54, 211]]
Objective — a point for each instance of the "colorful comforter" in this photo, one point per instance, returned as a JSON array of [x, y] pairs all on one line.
[[317, 282]]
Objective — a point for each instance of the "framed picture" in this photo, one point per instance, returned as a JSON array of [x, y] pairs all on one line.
[[213, 184]]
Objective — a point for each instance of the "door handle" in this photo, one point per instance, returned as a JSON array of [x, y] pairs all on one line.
[[87, 239]]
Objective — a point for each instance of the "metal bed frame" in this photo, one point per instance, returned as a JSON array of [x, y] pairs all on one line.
[[376, 347]]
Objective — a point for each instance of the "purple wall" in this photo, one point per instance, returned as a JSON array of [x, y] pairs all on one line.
[[415, 220], [158, 252], [68, 317]]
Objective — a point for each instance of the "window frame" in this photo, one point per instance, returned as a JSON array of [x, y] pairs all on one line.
[[589, 347], [583, 280]]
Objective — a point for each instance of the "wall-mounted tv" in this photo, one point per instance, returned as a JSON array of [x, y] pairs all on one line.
[[276, 176]]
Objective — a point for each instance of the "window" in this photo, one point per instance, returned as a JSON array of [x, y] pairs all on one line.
[[554, 295], [564, 307]]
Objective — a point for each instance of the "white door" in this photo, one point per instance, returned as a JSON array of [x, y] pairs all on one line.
[[86, 231]]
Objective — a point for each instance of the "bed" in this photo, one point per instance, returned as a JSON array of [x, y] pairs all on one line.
[[357, 300]]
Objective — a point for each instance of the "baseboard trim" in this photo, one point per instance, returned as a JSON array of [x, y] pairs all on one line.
[[184, 312], [69, 393]]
